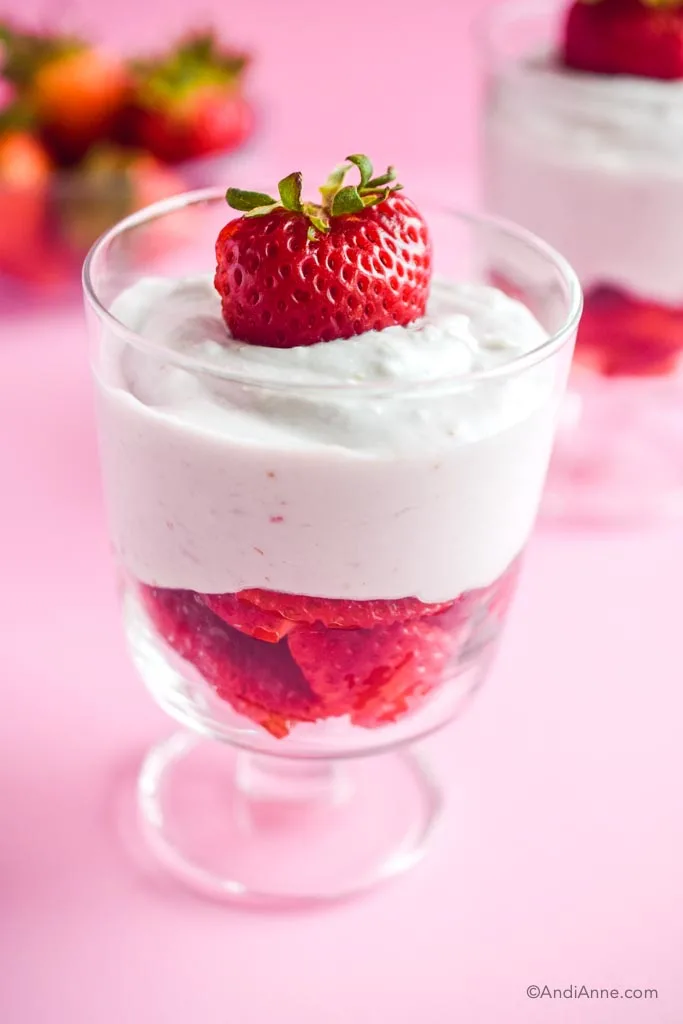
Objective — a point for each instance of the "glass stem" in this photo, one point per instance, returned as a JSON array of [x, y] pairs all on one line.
[[263, 778]]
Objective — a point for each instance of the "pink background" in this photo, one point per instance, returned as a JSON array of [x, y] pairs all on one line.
[[559, 860]]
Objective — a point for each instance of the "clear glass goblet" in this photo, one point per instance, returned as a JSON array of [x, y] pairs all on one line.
[[308, 606], [594, 164]]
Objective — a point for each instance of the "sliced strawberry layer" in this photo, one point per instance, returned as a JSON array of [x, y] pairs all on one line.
[[248, 618], [278, 671], [372, 674], [620, 335], [340, 614], [624, 336], [259, 680]]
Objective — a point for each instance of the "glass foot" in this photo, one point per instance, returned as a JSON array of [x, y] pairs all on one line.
[[283, 832]]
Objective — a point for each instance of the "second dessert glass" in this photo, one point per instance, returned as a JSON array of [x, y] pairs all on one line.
[[300, 607], [593, 164]]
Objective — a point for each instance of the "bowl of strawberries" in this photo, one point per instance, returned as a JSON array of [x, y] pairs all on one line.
[[88, 136]]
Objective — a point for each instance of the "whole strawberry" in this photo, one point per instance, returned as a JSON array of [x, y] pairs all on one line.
[[77, 97], [295, 273], [643, 38], [190, 103], [73, 92]]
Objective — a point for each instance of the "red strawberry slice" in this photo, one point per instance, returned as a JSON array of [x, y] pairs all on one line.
[[294, 273], [341, 614], [624, 336], [625, 37], [403, 692], [259, 680], [374, 675], [248, 618]]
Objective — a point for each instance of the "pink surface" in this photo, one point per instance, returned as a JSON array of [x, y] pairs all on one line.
[[559, 861]]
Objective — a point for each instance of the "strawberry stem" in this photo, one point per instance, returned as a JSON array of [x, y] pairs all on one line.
[[338, 199]]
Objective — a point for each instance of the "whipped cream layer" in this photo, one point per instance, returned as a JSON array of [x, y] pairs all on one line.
[[593, 164], [360, 468]]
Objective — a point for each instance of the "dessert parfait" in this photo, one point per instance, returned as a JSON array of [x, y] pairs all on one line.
[[323, 453], [584, 145]]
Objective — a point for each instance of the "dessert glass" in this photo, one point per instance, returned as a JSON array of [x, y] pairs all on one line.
[[270, 793], [594, 165]]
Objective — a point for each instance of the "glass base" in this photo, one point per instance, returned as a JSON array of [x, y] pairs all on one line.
[[618, 454], [283, 832]]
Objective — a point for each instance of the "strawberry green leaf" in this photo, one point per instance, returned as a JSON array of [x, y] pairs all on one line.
[[247, 201], [198, 60], [363, 165], [320, 222], [383, 179], [261, 211], [335, 181], [17, 116], [347, 200], [23, 54], [290, 191], [373, 198]]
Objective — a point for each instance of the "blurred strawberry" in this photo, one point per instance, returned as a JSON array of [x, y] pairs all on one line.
[[622, 336], [77, 98], [25, 172], [109, 184], [625, 37], [189, 104]]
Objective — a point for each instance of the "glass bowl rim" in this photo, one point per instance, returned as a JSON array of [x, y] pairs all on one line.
[[553, 343]]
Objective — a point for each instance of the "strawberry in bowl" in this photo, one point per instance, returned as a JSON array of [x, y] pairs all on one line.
[[113, 134], [297, 584]]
